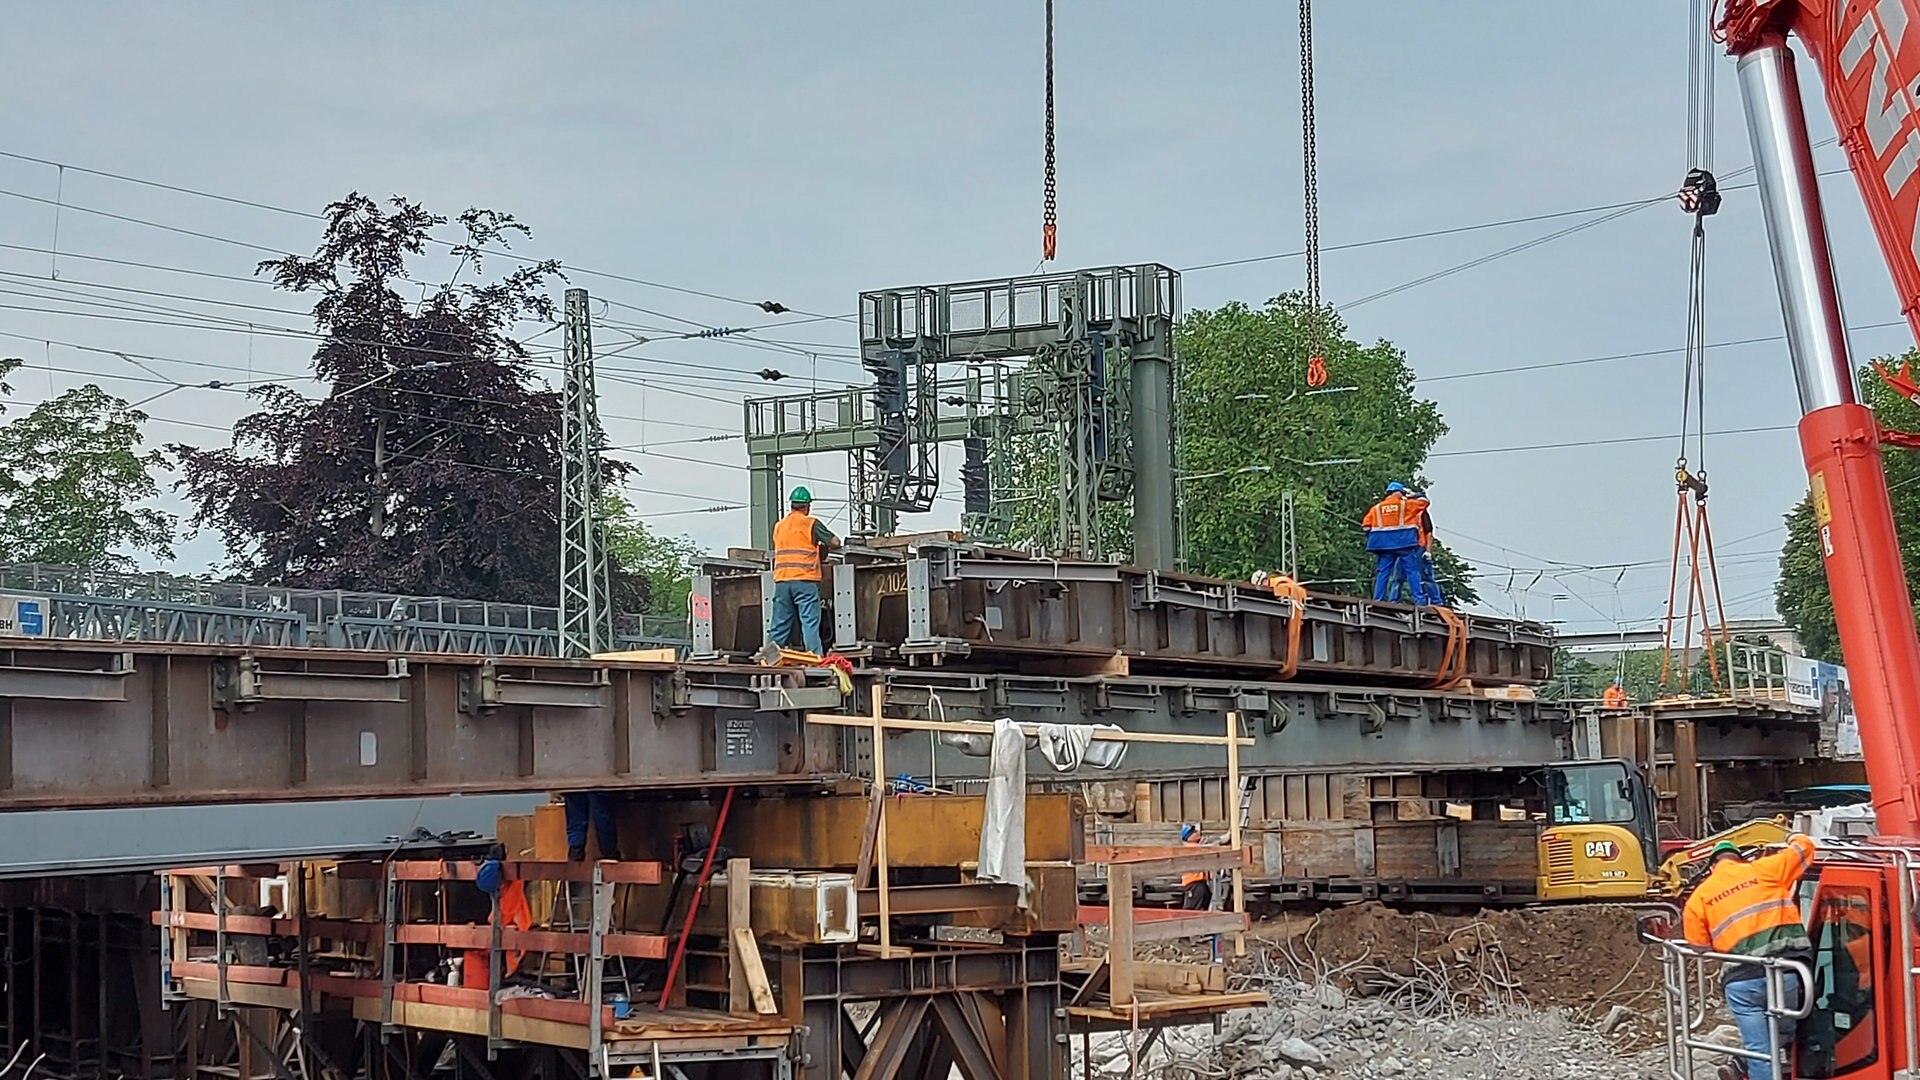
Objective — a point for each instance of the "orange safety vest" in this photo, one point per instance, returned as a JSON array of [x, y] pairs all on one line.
[[1422, 522], [795, 556], [514, 912], [1614, 698], [1396, 511], [1748, 908], [1192, 877]]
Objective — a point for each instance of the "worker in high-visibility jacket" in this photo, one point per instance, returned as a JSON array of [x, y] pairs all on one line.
[[1429, 573], [1393, 535], [1748, 907], [1196, 886], [800, 542], [1615, 697]]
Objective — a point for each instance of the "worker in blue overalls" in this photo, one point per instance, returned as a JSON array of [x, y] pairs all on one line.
[[1393, 535]]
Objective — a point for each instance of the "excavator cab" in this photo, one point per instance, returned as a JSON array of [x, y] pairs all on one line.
[[1599, 841]]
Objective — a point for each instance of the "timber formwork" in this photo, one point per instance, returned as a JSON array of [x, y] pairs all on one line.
[[618, 969], [935, 602]]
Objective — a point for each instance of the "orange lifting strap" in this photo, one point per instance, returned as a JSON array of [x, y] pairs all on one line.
[[1288, 589], [1703, 591], [1453, 659]]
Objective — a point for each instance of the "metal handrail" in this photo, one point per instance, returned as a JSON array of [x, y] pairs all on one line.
[[1679, 999]]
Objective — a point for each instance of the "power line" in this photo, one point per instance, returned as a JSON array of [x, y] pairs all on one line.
[[309, 215], [1585, 443], [1642, 354]]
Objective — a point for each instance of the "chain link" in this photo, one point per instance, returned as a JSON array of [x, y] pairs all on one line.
[[1051, 213], [1311, 176]]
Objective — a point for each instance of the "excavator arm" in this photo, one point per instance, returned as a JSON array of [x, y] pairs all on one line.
[[1868, 55]]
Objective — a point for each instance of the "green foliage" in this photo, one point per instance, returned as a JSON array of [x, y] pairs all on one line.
[[1801, 594], [73, 479], [665, 563], [1248, 429]]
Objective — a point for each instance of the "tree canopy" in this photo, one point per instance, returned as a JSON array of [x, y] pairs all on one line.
[[431, 467], [1801, 594], [664, 562], [73, 481], [1251, 432]]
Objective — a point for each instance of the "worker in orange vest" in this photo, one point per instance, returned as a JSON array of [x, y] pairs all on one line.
[[515, 912], [799, 544], [1747, 907], [1615, 697], [1196, 886], [1393, 535]]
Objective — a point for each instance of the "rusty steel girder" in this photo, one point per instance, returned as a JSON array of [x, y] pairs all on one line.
[[971, 608], [122, 724]]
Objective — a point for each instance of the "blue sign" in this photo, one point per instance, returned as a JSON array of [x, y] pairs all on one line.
[[32, 622]]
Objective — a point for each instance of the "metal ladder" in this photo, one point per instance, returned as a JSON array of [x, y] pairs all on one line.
[[576, 912]]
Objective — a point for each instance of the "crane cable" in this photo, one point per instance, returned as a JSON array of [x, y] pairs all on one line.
[[1050, 204], [1316, 373], [1692, 529]]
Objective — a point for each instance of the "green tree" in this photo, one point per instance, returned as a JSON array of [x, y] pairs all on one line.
[[1801, 594], [664, 562], [73, 479], [1251, 433]]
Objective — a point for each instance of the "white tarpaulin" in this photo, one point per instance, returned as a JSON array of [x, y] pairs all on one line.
[[1003, 829], [1069, 746]]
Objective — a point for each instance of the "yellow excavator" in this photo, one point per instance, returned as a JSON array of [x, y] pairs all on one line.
[[1598, 840]]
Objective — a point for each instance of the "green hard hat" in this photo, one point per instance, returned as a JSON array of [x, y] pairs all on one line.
[[800, 495], [1725, 847]]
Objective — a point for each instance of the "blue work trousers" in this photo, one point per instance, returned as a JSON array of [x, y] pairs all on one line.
[[796, 600], [1430, 579], [1747, 1001], [585, 806], [1397, 573]]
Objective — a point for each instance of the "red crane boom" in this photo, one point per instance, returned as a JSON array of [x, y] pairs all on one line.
[[1868, 55]]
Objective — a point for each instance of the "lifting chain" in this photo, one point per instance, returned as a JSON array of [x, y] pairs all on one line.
[[1316, 373], [1050, 214]]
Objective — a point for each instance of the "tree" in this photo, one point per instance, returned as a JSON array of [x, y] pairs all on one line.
[[1801, 595], [73, 481], [431, 467], [665, 563], [1251, 433]]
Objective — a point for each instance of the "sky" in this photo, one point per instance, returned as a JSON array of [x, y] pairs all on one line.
[[805, 152]]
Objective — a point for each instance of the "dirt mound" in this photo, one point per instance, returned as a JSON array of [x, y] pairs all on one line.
[[1584, 958]]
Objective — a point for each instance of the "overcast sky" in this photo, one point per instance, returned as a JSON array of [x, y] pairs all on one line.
[[804, 152]]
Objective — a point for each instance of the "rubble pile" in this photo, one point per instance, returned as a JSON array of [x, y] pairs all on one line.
[[1369, 993], [1318, 1032]]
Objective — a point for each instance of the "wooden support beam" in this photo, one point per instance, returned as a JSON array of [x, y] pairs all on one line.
[[1150, 862], [748, 991], [1233, 826], [974, 727], [1120, 934]]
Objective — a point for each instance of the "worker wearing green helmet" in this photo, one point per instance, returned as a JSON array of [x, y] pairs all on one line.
[[800, 543]]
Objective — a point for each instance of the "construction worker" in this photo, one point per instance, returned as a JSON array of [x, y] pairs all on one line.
[[1394, 538], [1615, 697], [1429, 573], [1746, 907], [799, 543], [1196, 886], [490, 877], [584, 807]]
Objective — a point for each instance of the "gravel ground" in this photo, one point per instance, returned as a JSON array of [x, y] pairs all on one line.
[[1370, 993], [1321, 1033]]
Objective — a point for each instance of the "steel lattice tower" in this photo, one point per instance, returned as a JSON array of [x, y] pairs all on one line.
[[586, 607]]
